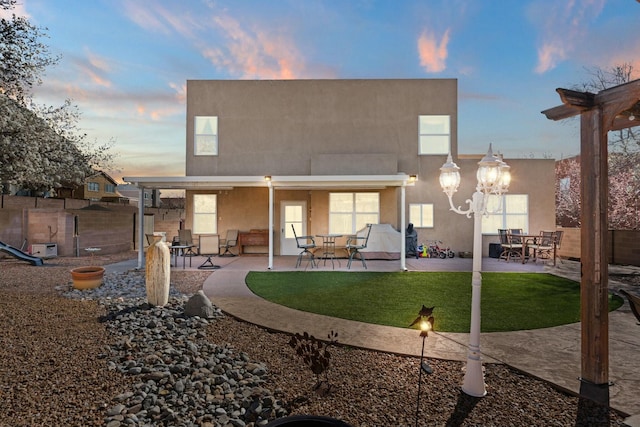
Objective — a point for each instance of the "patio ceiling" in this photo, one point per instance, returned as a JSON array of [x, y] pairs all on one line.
[[275, 181]]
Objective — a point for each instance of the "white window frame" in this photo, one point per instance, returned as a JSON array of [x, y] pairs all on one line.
[[417, 215], [356, 224], [508, 217], [205, 221], [109, 188], [205, 136], [92, 184], [434, 134]]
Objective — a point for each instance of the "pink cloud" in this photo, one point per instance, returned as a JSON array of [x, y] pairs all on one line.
[[255, 54], [433, 53]]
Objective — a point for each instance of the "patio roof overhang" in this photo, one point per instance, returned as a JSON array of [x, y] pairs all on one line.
[[302, 182], [273, 182]]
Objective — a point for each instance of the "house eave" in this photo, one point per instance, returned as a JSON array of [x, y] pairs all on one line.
[[276, 181]]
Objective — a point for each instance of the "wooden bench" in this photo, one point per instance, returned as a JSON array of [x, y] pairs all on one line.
[[252, 238]]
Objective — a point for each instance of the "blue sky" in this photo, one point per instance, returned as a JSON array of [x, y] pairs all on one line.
[[125, 63]]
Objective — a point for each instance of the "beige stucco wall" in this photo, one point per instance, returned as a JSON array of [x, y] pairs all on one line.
[[293, 127], [343, 127]]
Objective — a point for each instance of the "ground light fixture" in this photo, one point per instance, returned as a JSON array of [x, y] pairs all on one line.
[[425, 323], [493, 179]]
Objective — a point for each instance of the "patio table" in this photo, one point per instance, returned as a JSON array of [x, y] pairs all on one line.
[[329, 247]]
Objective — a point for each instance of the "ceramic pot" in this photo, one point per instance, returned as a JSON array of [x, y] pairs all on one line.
[[158, 272], [89, 277]]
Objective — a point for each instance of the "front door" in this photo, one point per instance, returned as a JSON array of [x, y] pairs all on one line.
[[292, 213]]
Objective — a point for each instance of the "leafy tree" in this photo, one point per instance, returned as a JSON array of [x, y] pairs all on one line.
[[23, 57], [32, 155], [41, 147]]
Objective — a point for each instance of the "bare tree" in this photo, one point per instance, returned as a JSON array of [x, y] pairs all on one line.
[[624, 140], [624, 164]]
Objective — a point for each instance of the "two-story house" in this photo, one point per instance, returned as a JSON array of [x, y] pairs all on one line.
[[330, 156]]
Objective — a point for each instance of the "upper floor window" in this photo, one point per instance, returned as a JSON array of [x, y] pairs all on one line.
[[110, 188], [93, 186], [434, 134], [421, 215], [351, 212], [205, 139], [506, 212]]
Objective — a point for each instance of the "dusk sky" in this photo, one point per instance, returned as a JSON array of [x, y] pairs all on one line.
[[125, 63]]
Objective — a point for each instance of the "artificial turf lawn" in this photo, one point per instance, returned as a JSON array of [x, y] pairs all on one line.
[[510, 301]]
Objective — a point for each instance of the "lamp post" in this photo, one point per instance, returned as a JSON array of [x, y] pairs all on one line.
[[493, 178]]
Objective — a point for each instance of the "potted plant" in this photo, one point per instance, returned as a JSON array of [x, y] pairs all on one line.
[[87, 277]]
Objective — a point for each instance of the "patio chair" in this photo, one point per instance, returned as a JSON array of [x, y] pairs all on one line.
[[231, 241], [355, 244], [542, 246], [511, 247], [305, 243], [634, 303], [209, 246], [185, 238]]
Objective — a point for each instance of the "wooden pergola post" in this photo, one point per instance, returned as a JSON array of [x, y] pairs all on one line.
[[611, 109]]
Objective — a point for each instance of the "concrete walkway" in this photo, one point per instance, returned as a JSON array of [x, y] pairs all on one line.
[[552, 354]]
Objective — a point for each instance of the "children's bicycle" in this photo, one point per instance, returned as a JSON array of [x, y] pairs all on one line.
[[437, 250]]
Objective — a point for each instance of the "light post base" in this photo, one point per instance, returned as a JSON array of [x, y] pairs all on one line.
[[473, 384]]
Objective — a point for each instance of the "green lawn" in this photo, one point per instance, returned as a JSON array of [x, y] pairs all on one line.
[[510, 301]]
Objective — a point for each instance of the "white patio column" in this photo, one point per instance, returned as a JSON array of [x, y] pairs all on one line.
[[270, 266], [403, 240], [140, 228]]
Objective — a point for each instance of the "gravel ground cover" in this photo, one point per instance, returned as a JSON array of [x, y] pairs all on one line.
[[58, 369]]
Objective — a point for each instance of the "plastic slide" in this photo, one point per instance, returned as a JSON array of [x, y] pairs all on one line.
[[34, 260]]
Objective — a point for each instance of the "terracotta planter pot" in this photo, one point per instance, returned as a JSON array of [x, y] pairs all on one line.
[[87, 277]]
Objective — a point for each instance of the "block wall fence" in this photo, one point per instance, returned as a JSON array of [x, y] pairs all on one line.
[[74, 225]]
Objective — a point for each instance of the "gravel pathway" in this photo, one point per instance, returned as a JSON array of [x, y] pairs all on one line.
[[105, 358]]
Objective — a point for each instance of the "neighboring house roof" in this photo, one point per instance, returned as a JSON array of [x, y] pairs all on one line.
[[105, 175]]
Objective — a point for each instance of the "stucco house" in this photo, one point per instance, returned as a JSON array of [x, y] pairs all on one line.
[[330, 156]]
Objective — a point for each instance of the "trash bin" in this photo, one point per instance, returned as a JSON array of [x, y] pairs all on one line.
[[495, 249], [411, 242]]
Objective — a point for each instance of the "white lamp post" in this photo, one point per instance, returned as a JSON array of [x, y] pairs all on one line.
[[493, 178]]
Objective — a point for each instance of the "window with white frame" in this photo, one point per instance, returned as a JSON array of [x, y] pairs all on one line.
[[505, 212], [434, 134], [205, 213], [93, 186], [109, 188], [205, 138], [351, 212], [421, 215]]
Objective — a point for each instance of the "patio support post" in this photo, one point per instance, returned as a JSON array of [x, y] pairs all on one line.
[[270, 266], [403, 248], [140, 228]]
